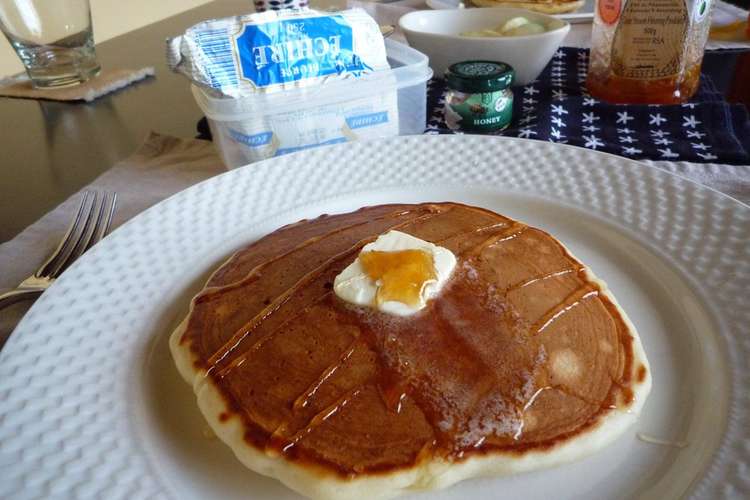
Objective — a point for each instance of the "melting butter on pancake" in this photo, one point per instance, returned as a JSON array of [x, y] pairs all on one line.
[[523, 360], [396, 274]]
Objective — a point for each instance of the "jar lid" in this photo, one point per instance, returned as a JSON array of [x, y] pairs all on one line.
[[479, 76]]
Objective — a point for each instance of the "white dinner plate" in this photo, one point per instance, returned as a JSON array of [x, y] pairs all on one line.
[[583, 15], [91, 405]]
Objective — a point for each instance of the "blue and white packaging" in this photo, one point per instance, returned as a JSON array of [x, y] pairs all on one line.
[[280, 82], [278, 50]]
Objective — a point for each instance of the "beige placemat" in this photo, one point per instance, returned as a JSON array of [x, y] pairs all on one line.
[[162, 166], [105, 82]]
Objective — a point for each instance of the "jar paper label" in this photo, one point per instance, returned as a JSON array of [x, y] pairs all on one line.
[[485, 111], [609, 10], [650, 40]]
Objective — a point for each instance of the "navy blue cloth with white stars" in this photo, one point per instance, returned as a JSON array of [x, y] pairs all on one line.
[[557, 108]]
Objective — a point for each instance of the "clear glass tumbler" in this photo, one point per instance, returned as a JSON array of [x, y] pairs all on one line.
[[53, 38]]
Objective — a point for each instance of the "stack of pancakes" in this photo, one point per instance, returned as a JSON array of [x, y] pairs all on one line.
[[543, 6], [523, 361]]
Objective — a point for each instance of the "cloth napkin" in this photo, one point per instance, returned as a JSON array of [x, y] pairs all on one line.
[[557, 108], [105, 82]]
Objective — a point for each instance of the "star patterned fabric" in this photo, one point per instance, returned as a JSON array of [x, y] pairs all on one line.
[[557, 108]]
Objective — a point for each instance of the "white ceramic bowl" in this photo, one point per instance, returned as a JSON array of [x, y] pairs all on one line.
[[436, 34]]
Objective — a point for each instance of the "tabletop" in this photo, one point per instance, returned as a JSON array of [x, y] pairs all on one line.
[[53, 149]]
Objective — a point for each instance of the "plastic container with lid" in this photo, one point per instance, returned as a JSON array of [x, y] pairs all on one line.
[[381, 104]]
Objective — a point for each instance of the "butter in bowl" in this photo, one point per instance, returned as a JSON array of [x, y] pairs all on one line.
[[526, 40]]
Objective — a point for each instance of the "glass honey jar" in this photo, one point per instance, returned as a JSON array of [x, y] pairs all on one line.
[[647, 51], [479, 97]]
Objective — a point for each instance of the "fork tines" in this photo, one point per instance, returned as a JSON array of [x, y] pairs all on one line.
[[88, 227]]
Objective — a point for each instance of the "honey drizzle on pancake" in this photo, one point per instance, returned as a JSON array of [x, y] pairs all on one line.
[[395, 392], [304, 399], [392, 388], [223, 371], [318, 419], [216, 290], [563, 307], [402, 274], [515, 230], [526, 406], [246, 330], [248, 327], [535, 279]]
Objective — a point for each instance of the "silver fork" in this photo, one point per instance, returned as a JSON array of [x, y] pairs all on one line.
[[88, 227]]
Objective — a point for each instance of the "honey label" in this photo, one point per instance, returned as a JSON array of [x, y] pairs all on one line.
[[650, 39], [479, 112], [609, 10]]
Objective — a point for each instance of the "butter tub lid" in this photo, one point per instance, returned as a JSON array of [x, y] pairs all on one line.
[[409, 69], [277, 50]]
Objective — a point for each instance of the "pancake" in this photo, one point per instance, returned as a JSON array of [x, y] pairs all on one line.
[[543, 6], [524, 360]]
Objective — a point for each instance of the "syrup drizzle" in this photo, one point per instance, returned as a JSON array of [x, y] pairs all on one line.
[[248, 327], [303, 401], [274, 306], [255, 271], [513, 231], [536, 279], [393, 393], [222, 372], [526, 406], [571, 301], [321, 417]]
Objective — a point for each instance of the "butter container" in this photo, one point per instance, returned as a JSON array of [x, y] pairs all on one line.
[[276, 51], [380, 104]]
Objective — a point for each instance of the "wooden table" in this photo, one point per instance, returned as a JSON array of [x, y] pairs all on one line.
[[49, 150], [52, 149]]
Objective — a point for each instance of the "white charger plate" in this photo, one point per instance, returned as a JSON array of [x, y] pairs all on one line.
[[91, 405]]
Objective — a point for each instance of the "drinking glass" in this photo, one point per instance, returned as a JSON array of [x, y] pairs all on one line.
[[53, 38]]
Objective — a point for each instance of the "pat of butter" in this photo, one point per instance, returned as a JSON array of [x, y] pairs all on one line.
[[355, 286]]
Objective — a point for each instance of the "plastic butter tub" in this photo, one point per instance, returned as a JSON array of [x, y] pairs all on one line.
[[381, 104]]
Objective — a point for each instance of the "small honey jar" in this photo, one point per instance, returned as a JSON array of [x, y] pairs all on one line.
[[479, 97]]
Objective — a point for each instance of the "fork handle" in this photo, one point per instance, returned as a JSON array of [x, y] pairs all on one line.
[[17, 295]]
